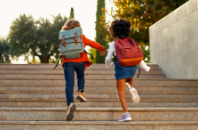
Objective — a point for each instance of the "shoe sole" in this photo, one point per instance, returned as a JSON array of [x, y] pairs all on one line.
[[81, 98], [124, 120], [137, 99], [70, 114]]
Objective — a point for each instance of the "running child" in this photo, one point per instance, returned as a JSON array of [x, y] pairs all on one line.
[[121, 29], [78, 65]]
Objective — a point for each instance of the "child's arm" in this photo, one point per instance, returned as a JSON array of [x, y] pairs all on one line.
[[144, 66], [94, 45], [109, 56]]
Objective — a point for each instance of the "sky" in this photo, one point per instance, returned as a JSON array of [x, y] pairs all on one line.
[[84, 11]]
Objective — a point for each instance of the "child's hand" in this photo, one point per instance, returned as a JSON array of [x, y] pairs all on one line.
[[112, 64], [102, 53]]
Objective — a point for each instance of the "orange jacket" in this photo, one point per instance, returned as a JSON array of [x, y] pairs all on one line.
[[83, 56]]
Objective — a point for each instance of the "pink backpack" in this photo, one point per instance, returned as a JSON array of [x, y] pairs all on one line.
[[127, 52]]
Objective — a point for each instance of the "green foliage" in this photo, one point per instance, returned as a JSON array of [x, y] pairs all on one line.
[[141, 14], [34, 61], [93, 52], [36, 38], [71, 13], [101, 31], [4, 51], [146, 52]]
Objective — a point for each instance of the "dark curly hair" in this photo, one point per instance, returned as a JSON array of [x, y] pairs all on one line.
[[120, 28]]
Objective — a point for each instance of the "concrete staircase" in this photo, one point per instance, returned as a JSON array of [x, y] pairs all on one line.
[[32, 97]]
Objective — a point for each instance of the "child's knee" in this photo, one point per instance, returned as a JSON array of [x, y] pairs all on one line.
[[121, 92]]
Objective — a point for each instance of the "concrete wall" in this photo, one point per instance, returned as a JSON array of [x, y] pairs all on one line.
[[174, 42]]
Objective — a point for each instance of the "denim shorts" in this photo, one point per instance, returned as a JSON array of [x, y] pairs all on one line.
[[122, 72]]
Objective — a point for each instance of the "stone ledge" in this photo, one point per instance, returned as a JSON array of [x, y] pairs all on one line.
[[99, 126], [98, 114], [107, 109], [98, 123], [168, 103]]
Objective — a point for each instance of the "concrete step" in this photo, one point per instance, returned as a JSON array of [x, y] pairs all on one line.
[[109, 82], [181, 96], [59, 71], [89, 92], [47, 77], [91, 103], [51, 66], [98, 114], [92, 100], [33, 97], [98, 125], [90, 88]]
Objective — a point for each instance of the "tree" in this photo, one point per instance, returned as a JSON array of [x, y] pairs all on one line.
[[93, 52], [71, 13], [4, 51], [100, 30], [34, 61], [142, 14], [36, 38]]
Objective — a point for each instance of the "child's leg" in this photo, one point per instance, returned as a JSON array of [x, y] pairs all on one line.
[[129, 82], [80, 69], [121, 93], [144, 66], [133, 91], [69, 77]]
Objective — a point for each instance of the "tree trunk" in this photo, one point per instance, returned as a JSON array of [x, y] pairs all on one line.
[[99, 33], [44, 59]]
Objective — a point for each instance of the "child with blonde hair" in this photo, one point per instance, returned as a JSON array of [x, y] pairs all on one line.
[[78, 65]]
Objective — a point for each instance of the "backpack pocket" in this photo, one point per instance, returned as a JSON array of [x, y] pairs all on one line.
[[72, 50], [132, 56], [132, 52]]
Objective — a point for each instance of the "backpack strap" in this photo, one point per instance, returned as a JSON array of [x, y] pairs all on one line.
[[139, 70], [76, 40], [134, 41], [57, 62], [62, 56], [89, 54], [63, 39]]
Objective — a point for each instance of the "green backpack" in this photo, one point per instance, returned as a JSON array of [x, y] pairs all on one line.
[[71, 44]]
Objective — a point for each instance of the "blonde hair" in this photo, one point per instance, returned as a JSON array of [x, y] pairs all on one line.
[[70, 24]]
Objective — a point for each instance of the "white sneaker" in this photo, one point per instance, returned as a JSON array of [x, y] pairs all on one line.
[[134, 95], [125, 117]]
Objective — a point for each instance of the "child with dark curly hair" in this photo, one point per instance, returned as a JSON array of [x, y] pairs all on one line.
[[120, 29], [78, 65]]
